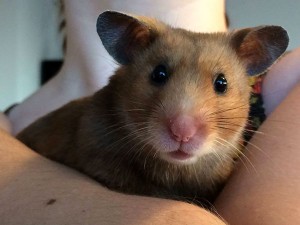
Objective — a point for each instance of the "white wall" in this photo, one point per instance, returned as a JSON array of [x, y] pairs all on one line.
[[8, 54], [28, 34]]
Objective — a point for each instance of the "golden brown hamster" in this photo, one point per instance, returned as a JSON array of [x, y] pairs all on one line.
[[171, 120]]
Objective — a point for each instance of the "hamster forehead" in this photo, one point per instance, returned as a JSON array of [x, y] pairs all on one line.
[[194, 55]]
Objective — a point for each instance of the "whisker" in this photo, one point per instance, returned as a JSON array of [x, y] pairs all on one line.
[[125, 140], [225, 128], [122, 127], [236, 154], [229, 109], [257, 148], [239, 151]]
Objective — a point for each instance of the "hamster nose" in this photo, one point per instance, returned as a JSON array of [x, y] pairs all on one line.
[[183, 128]]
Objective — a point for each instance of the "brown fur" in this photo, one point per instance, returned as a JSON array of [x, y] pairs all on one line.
[[112, 135]]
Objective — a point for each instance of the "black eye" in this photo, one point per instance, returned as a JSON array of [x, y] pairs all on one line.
[[220, 84], [159, 76]]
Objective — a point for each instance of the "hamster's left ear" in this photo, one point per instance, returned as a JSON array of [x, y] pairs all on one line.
[[123, 36], [259, 47]]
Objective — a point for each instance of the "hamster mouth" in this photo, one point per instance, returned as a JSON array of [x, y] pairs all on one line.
[[180, 155]]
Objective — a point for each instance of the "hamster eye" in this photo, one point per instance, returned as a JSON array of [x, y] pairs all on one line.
[[220, 84], [159, 76]]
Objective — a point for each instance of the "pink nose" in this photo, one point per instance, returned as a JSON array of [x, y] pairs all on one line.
[[183, 128]]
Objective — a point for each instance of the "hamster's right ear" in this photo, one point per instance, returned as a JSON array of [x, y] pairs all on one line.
[[123, 35], [259, 47]]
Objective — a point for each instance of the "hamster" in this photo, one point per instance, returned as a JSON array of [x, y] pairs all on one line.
[[170, 122]]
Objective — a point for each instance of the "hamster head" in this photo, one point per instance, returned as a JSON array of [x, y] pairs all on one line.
[[184, 95]]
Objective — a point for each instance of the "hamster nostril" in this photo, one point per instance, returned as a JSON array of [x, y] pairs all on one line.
[[183, 128], [186, 139], [180, 138]]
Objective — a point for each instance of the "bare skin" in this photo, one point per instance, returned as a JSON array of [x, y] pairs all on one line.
[[5, 123], [268, 191], [35, 190], [281, 80]]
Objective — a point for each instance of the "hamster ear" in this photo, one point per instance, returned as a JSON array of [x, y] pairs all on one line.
[[259, 47], [123, 35]]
